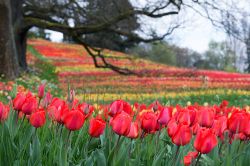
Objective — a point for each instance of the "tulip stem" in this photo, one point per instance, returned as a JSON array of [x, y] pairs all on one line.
[[158, 139], [23, 120], [17, 117], [142, 135], [130, 148], [176, 155], [117, 143], [39, 101], [198, 158], [68, 138]]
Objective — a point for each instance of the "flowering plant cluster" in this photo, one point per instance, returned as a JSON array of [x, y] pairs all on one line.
[[179, 134]]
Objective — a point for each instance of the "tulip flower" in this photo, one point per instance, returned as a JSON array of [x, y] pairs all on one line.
[[47, 100], [156, 106], [182, 135], [38, 118], [119, 105], [220, 125], [96, 127], [236, 121], [148, 122], [164, 116], [41, 90], [29, 105], [206, 117], [4, 112], [18, 101], [205, 140], [121, 123], [74, 120], [186, 116], [172, 127], [86, 109], [57, 109], [189, 158], [224, 104], [245, 125], [133, 131], [238, 136], [116, 107]]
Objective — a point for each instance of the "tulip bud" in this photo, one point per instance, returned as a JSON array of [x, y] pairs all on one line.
[[41, 90], [47, 100]]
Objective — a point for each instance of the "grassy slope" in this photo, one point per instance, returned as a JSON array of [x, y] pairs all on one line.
[[72, 64]]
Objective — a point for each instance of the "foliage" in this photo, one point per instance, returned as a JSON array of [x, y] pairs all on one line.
[[218, 57], [54, 144]]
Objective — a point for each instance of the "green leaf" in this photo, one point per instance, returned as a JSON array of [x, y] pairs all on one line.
[[158, 159], [100, 157]]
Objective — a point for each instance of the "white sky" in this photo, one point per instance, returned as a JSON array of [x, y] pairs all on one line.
[[195, 37], [196, 33]]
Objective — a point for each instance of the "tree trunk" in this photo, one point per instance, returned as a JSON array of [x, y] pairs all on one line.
[[8, 54], [247, 43], [20, 31]]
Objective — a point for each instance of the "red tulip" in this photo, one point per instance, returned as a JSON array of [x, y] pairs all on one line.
[[186, 116], [86, 109], [156, 106], [41, 90], [182, 135], [205, 140], [18, 101], [245, 125], [238, 136], [224, 104], [30, 104], [220, 125], [57, 110], [134, 131], [116, 107], [189, 158], [121, 123], [96, 127], [235, 121], [164, 116], [172, 127], [195, 128], [119, 105], [74, 120], [148, 122], [206, 117], [4, 112], [38, 118], [47, 100]]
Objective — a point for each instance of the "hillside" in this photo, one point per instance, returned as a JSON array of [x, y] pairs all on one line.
[[74, 66]]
